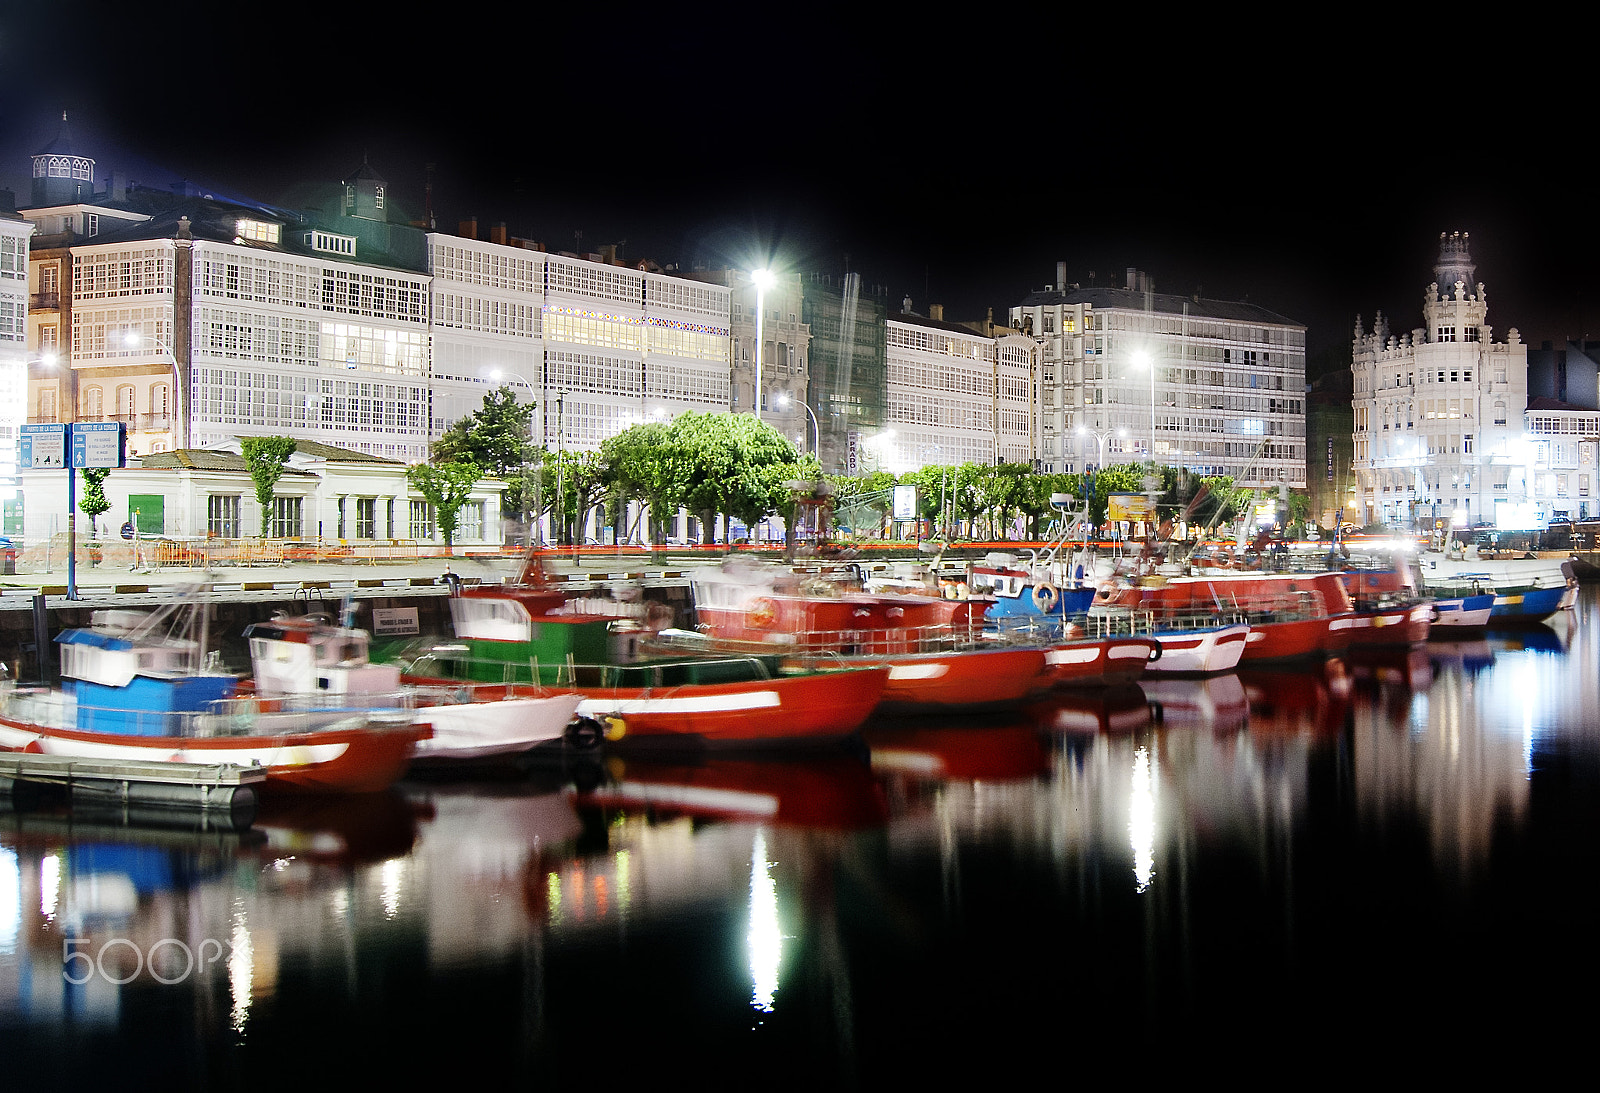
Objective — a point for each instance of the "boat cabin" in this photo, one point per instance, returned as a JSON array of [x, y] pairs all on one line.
[[308, 654], [127, 676]]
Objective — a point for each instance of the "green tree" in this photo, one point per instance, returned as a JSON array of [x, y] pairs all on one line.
[[579, 480], [724, 463], [445, 486], [862, 501], [497, 439], [643, 463], [266, 456], [93, 501]]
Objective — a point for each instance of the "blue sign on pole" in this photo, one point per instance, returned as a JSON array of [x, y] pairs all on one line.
[[99, 444], [42, 447]]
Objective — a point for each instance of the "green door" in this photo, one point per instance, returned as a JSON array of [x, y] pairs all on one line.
[[149, 510]]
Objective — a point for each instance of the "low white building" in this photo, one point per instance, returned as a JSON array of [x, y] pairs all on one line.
[[1562, 445], [327, 498]]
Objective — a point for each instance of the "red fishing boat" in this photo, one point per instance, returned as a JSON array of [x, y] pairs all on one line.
[[934, 660], [1387, 606], [136, 688], [1290, 615], [522, 640]]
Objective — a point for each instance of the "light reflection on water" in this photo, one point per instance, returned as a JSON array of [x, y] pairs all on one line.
[[972, 876]]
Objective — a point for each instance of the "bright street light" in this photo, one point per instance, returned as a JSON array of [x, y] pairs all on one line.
[[1102, 435], [763, 279]]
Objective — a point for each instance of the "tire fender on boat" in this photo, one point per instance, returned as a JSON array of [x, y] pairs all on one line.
[[1045, 597], [1155, 652]]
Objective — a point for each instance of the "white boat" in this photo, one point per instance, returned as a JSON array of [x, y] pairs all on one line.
[[1199, 652], [1465, 612], [307, 665]]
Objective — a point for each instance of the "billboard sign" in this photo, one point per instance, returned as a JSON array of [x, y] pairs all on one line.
[[905, 502], [1127, 506]]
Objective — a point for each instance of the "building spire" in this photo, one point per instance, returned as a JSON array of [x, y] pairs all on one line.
[[1455, 262]]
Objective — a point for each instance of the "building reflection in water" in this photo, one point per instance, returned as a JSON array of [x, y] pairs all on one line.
[[1098, 808]]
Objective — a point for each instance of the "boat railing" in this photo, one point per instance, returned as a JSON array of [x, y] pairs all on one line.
[[1143, 622], [677, 669], [250, 716]]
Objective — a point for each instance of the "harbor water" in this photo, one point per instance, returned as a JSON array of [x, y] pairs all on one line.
[[1374, 867]]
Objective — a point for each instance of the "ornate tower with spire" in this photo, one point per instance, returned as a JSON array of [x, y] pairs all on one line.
[[1456, 305], [60, 175], [1438, 411]]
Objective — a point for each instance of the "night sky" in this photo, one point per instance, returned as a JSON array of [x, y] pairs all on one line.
[[951, 159]]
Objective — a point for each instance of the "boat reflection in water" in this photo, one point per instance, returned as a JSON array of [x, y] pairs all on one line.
[[992, 751], [1463, 656], [1312, 698], [1143, 879], [829, 791], [1122, 708], [359, 829], [1217, 703], [1402, 666], [1534, 637]]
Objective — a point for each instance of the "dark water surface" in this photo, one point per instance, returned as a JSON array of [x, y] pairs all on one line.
[[1371, 868]]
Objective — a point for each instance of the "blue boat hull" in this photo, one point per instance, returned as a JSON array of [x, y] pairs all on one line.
[[1529, 605]]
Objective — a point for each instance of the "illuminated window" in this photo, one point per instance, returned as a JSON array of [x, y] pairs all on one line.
[[258, 230]]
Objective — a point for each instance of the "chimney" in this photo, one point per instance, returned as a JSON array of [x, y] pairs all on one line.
[[1131, 283], [1061, 277], [936, 312], [497, 234], [468, 229]]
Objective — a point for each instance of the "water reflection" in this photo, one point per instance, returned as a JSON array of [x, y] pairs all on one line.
[[1174, 850]]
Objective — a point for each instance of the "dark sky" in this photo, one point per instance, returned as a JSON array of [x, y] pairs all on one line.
[[954, 158]]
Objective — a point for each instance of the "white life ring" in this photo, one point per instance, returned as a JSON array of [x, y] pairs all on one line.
[[1045, 597]]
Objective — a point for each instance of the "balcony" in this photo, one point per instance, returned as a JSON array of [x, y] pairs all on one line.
[[136, 423], [44, 301]]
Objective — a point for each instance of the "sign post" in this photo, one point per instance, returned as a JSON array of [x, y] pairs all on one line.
[[905, 506], [70, 447]]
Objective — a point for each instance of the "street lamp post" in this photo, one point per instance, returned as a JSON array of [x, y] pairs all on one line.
[[1100, 435], [180, 417], [944, 473], [763, 279], [816, 448], [496, 375]]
